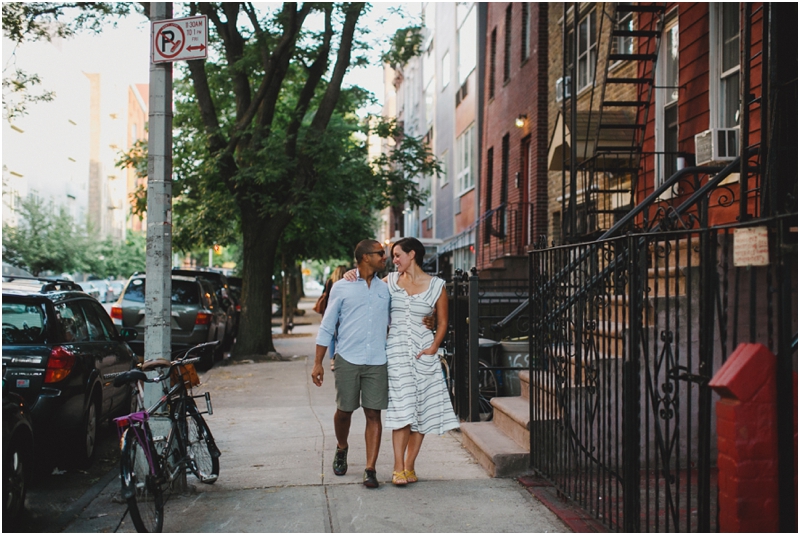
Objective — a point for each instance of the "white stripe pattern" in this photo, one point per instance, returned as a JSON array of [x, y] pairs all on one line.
[[417, 391]]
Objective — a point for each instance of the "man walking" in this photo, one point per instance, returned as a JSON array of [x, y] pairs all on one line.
[[361, 309]]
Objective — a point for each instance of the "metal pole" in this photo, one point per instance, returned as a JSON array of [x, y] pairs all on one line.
[[474, 324], [159, 203], [159, 223]]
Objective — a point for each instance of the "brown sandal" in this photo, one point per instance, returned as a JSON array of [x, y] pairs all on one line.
[[399, 478]]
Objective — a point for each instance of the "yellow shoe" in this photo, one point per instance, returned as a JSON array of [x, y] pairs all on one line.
[[411, 476], [399, 478]]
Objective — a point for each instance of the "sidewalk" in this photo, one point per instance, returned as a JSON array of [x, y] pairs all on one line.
[[275, 430]]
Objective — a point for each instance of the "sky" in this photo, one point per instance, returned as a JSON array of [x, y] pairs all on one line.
[[123, 52]]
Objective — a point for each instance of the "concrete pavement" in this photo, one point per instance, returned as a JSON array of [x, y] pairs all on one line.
[[275, 430]]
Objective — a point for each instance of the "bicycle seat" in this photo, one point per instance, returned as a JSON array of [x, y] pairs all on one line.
[[155, 364]]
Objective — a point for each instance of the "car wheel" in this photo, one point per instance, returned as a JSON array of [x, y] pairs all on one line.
[[86, 442], [15, 481]]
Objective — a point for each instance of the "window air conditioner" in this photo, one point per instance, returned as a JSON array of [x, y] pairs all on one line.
[[716, 145], [563, 90]]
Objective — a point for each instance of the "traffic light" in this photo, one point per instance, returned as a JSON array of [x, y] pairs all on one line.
[[217, 249]]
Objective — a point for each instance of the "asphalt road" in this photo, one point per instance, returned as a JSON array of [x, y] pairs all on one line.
[[59, 490]]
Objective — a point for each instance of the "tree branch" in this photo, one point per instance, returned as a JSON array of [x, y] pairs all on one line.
[[315, 73], [331, 96]]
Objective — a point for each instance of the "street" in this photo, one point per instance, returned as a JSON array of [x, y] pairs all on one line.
[[275, 430]]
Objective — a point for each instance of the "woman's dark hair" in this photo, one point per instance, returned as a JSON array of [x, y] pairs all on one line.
[[411, 244]]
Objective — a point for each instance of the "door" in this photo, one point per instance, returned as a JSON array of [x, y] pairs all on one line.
[[525, 205]]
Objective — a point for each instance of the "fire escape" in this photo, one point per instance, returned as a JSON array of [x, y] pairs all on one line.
[[603, 132]]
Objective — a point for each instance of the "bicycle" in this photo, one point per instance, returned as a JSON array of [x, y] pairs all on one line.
[[487, 382], [150, 464]]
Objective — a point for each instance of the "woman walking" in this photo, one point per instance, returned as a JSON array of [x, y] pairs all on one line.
[[419, 403]]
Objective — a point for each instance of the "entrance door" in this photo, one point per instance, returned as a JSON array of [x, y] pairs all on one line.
[[525, 205]]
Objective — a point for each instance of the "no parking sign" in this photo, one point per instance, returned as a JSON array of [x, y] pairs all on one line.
[[179, 39]]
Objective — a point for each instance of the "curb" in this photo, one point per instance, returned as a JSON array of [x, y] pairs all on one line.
[[68, 516], [577, 519]]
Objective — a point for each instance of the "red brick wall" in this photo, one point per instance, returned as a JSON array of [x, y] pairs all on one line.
[[525, 93], [747, 440], [693, 106]]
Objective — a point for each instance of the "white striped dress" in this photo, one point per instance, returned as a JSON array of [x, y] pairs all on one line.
[[417, 391]]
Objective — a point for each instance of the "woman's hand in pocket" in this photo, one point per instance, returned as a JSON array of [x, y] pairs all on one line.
[[428, 351]]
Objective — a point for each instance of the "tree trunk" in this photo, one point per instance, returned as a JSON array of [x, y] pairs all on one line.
[[260, 241]]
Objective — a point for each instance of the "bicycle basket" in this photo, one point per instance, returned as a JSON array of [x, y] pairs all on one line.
[[189, 374]]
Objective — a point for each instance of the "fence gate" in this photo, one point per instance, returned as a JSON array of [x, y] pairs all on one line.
[[630, 330]]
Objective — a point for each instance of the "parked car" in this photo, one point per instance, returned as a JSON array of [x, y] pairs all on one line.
[[235, 288], [115, 290], [93, 289], [225, 298], [18, 447], [197, 316], [59, 349]]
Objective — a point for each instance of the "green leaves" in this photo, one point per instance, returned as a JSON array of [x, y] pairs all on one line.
[[46, 238], [405, 45], [44, 20]]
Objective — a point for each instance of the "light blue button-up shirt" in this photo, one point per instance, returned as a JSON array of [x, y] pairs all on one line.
[[362, 313]]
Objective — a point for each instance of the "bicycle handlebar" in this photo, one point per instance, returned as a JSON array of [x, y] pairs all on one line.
[[138, 375]]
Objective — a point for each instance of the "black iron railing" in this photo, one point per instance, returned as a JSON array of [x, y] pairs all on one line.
[[621, 416]]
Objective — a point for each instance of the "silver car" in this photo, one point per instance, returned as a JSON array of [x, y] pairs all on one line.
[[197, 316]]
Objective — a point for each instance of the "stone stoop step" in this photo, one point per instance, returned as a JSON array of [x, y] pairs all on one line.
[[494, 450], [512, 417], [524, 384]]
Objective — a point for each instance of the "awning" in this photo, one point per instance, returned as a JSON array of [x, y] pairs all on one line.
[[586, 123]]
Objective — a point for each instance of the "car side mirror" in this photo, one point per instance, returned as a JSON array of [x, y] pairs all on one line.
[[127, 334]]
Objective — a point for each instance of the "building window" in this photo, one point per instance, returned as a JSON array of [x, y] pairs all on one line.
[[428, 72], [467, 46], [507, 47], [443, 169], [429, 20], [729, 75], [624, 44], [525, 40], [667, 102], [587, 50], [492, 62], [464, 145], [500, 219], [489, 188], [445, 69]]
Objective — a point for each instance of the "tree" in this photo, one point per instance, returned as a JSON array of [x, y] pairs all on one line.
[[273, 145], [43, 20], [45, 239], [267, 142]]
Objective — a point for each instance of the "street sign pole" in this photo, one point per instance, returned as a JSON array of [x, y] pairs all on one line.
[[159, 222]]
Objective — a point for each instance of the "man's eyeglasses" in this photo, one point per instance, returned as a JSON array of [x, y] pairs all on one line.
[[381, 252]]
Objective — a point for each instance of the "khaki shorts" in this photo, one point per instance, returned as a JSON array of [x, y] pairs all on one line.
[[370, 384]]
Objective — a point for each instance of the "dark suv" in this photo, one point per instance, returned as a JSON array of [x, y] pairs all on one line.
[[60, 352], [225, 297], [197, 316]]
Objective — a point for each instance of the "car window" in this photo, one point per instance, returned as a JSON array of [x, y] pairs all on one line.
[[105, 320], [23, 323], [207, 299], [135, 291], [183, 292], [97, 332], [72, 322]]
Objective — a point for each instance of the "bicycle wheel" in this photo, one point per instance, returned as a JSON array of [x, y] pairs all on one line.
[[139, 486], [200, 447], [487, 389]]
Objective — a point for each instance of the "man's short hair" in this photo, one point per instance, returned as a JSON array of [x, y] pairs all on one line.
[[364, 247]]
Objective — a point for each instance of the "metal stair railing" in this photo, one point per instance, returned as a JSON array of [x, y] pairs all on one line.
[[670, 219]]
